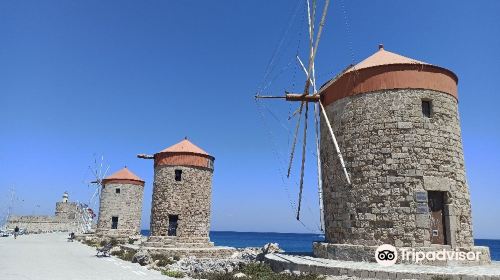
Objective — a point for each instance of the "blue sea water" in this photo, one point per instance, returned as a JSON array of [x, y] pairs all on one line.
[[494, 247], [298, 242]]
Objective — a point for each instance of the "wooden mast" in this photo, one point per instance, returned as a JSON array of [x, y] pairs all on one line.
[[307, 98]]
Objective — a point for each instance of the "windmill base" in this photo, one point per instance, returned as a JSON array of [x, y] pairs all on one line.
[[98, 238], [369, 270], [181, 252]]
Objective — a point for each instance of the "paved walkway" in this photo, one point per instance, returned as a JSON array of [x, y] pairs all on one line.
[[51, 257], [376, 271]]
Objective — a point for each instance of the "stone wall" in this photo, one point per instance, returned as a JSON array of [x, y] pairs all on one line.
[[42, 224], [189, 198], [65, 219], [182, 252], [126, 205], [392, 151], [66, 210]]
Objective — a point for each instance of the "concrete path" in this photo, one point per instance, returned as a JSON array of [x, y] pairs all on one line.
[[51, 257], [367, 270]]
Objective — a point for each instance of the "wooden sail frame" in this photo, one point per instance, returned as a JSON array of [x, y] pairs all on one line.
[[305, 98]]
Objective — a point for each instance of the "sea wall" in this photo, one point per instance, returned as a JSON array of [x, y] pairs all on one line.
[[65, 219], [41, 224]]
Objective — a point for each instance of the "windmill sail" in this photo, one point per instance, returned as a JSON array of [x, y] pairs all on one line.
[[305, 98]]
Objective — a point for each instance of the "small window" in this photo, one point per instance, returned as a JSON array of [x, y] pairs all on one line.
[[426, 108], [114, 222], [178, 174], [117, 190]]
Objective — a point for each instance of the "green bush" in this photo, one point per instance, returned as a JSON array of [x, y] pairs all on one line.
[[89, 243], [162, 260], [113, 242], [117, 253], [260, 272], [440, 278], [217, 276], [172, 273], [127, 256], [131, 241], [124, 255], [264, 272]]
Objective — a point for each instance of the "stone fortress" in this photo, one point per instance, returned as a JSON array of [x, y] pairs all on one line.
[[181, 204], [65, 219], [120, 205], [397, 123]]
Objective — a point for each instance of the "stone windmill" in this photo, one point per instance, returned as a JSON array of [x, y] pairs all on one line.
[[120, 204], [181, 202], [182, 191], [398, 125]]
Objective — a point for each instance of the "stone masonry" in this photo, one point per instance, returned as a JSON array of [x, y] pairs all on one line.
[[392, 152], [121, 199], [65, 219], [189, 198], [181, 206], [399, 154]]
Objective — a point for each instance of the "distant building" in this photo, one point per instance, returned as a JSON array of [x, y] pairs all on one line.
[[397, 123], [65, 209], [120, 205], [65, 219]]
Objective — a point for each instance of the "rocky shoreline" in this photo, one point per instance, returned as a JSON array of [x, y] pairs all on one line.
[[268, 263], [245, 263]]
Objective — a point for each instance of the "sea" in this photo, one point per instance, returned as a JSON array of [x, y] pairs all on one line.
[[298, 243]]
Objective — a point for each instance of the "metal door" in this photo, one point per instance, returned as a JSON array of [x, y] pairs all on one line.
[[436, 210]]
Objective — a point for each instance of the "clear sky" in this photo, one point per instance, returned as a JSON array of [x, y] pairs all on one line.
[[117, 78]]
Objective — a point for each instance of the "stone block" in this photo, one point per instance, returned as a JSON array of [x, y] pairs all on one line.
[[405, 125], [422, 221]]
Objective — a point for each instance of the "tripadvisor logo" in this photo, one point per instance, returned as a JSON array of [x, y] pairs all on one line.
[[387, 255]]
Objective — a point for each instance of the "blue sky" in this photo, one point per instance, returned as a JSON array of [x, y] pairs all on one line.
[[117, 78]]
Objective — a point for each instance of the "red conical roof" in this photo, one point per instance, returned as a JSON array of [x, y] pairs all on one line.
[[386, 70], [184, 153], [123, 174], [185, 146], [383, 57]]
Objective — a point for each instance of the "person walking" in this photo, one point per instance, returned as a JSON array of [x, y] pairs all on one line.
[[16, 232]]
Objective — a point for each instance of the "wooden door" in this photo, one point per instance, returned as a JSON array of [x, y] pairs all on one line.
[[436, 210]]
